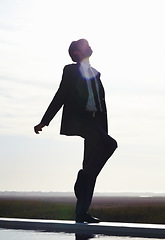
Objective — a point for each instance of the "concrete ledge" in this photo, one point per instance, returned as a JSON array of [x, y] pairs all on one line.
[[106, 228]]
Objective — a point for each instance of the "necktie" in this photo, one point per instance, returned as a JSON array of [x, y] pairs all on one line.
[[95, 93]]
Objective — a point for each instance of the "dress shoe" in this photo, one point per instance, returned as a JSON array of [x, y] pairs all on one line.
[[86, 218]]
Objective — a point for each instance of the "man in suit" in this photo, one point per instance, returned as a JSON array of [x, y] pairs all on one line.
[[81, 94]]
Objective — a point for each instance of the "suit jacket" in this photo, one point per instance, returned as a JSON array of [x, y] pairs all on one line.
[[72, 94]]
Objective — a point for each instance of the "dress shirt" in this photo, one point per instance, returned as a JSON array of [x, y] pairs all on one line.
[[84, 69]]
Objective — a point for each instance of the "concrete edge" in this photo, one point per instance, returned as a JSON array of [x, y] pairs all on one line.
[[106, 228]]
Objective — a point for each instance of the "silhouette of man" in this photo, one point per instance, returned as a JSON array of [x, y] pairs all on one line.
[[81, 94]]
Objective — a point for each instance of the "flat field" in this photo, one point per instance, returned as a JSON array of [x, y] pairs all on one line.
[[107, 208]]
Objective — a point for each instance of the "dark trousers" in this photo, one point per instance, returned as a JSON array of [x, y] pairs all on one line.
[[98, 147]]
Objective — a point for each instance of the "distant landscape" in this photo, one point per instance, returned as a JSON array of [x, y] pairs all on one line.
[[109, 207], [51, 194]]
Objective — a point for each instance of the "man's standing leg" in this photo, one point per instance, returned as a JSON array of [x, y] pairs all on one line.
[[98, 147]]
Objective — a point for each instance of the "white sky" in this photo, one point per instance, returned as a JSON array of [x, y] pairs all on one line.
[[127, 37]]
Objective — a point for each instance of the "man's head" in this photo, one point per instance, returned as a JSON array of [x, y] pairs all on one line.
[[79, 50]]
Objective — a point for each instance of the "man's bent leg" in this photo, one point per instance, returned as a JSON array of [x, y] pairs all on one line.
[[94, 162], [98, 147]]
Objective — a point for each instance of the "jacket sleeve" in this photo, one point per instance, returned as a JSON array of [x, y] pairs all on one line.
[[59, 98]]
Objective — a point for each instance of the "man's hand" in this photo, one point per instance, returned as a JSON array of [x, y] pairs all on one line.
[[38, 128]]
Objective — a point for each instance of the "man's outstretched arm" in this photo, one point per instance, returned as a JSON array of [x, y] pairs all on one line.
[[57, 101]]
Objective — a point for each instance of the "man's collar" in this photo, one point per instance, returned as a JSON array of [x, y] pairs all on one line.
[[85, 64]]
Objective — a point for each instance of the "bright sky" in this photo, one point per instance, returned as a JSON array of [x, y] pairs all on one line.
[[128, 42]]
